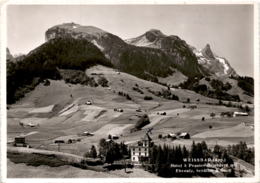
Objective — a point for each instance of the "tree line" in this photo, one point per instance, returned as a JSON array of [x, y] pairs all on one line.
[[219, 87], [168, 161], [109, 151], [243, 152]]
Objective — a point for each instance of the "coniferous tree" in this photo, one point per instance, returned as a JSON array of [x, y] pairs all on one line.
[[109, 157], [165, 154], [178, 154], [172, 155], [93, 152], [199, 151], [193, 152], [159, 159], [185, 152], [103, 147]]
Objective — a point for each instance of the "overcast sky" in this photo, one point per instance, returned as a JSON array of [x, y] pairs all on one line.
[[227, 28]]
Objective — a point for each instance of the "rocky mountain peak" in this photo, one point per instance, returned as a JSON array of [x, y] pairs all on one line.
[[73, 30], [207, 52], [154, 34]]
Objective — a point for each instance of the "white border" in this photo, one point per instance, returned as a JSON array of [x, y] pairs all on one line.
[[4, 179]]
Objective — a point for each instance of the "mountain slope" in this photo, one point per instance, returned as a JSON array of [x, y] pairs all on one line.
[[156, 57], [132, 59], [209, 64], [44, 61]]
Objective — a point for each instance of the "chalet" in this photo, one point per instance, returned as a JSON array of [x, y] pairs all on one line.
[[172, 135], [114, 137], [89, 102], [19, 141], [184, 135], [118, 110], [109, 140], [140, 151], [31, 125], [87, 133], [59, 141], [240, 114]]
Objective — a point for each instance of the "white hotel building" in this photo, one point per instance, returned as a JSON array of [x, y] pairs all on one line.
[[141, 150]]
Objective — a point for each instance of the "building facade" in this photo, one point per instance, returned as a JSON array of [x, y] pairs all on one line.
[[140, 151]]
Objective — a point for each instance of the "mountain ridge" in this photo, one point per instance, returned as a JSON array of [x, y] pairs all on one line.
[[69, 49], [209, 63], [114, 48]]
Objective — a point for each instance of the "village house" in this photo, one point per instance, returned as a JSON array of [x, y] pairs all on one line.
[[172, 135], [184, 135]]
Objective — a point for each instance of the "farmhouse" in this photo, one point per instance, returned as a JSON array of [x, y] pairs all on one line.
[[31, 125], [172, 135], [240, 114], [115, 137], [87, 133], [59, 141], [140, 151], [19, 141], [118, 110], [184, 135], [89, 102]]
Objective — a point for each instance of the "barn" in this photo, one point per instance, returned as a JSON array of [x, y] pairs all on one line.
[[184, 135], [19, 141]]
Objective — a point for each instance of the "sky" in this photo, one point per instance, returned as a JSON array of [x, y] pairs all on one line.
[[227, 28]]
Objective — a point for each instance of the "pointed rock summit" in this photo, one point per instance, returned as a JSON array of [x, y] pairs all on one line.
[[154, 34], [207, 52]]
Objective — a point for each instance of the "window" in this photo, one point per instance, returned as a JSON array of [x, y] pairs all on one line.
[[139, 153], [145, 149], [145, 154], [133, 158], [139, 149]]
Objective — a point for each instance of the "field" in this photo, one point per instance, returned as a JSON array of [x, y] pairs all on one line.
[[60, 112]]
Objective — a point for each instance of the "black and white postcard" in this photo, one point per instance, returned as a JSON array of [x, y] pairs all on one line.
[[123, 92]]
